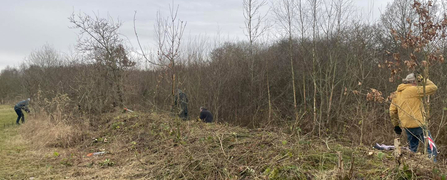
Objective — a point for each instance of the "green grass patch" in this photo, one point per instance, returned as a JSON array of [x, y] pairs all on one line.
[[7, 152], [16, 161], [7, 116]]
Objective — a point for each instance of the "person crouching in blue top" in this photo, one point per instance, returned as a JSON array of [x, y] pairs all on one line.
[[18, 108], [206, 115]]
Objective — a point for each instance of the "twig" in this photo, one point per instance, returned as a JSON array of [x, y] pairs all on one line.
[[282, 158], [138, 159], [221, 146], [139, 44], [326, 142], [351, 171], [441, 125]]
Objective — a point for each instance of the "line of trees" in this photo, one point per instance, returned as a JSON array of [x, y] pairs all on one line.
[[311, 80]]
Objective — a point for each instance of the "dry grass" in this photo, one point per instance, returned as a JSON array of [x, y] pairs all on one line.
[[157, 146], [18, 159], [43, 132]]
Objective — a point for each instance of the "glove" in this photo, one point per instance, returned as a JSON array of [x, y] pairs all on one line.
[[397, 130], [419, 78]]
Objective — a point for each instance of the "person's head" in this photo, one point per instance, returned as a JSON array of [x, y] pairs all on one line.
[[410, 79], [202, 108]]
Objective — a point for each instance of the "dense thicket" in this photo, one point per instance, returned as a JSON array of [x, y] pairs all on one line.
[[333, 71]]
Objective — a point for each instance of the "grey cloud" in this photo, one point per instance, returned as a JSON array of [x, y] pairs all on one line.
[[26, 25]]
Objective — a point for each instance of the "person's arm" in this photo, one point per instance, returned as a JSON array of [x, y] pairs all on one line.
[[202, 115], [430, 88], [26, 108], [394, 114]]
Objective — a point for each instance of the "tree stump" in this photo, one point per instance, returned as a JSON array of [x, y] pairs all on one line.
[[397, 151]]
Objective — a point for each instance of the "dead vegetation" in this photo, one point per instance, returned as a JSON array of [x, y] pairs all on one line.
[[158, 146]]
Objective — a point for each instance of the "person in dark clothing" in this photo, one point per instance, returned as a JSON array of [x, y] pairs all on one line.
[[205, 115], [181, 101], [18, 108]]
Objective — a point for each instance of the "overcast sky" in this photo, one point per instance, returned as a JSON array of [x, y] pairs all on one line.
[[27, 25]]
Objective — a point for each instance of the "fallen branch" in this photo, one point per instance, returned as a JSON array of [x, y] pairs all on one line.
[[351, 171], [340, 164], [221, 145]]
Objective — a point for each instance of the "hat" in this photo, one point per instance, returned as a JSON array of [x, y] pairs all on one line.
[[410, 78]]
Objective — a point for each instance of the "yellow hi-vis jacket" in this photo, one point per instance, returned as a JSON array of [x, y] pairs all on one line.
[[407, 106]]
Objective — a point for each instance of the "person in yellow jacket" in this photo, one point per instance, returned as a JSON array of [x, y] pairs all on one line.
[[406, 111]]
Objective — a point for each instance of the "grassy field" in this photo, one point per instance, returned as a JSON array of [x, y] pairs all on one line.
[[17, 158], [11, 145], [7, 116]]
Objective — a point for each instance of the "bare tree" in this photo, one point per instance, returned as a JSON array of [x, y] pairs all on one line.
[[47, 56], [254, 29], [302, 18], [254, 19], [9, 80], [336, 18], [285, 12], [253, 25], [399, 16], [169, 32], [314, 5], [100, 39]]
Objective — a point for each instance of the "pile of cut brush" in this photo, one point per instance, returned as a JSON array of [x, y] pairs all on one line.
[[154, 145]]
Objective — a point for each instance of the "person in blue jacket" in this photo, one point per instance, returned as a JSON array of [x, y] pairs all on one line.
[[205, 115], [18, 108]]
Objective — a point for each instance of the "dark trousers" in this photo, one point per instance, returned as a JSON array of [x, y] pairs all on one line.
[[20, 115], [184, 113], [416, 135]]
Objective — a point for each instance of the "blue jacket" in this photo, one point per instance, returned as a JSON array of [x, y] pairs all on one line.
[[206, 116], [22, 105]]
